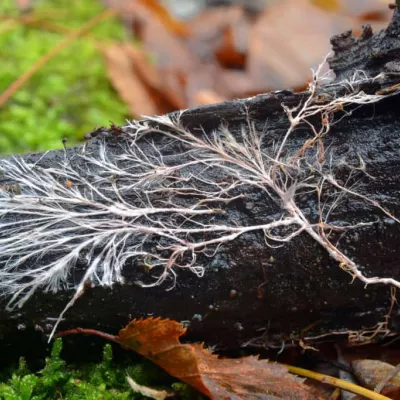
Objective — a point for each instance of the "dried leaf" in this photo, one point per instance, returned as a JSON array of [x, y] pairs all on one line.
[[234, 83], [221, 33], [287, 40], [371, 372], [127, 82], [143, 66], [244, 378], [227, 55], [232, 53], [168, 51], [205, 97], [170, 55], [204, 77], [167, 100]]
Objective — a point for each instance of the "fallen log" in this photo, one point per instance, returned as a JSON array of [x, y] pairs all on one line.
[[256, 222]]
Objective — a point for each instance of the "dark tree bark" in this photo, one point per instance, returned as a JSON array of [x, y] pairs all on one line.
[[252, 293]]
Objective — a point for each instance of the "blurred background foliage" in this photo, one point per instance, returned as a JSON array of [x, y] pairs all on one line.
[[155, 56], [69, 95]]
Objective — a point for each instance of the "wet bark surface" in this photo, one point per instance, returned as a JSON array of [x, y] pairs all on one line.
[[253, 294]]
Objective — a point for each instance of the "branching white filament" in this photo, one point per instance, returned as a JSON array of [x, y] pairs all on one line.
[[146, 207]]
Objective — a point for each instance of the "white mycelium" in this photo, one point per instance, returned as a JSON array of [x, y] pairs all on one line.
[[146, 204]]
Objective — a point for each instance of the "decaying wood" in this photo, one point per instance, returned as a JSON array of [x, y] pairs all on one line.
[[259, 289]]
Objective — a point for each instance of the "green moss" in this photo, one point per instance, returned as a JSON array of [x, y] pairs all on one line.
[[59, 381], [68, 96], [105, 380]]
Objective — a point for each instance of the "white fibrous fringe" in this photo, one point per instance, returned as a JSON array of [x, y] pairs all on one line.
[[145, 206]]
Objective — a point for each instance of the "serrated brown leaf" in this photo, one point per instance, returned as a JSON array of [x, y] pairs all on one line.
[[244, 378]]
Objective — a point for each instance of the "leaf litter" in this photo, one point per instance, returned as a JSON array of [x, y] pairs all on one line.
[[226, 52], [248, 377]]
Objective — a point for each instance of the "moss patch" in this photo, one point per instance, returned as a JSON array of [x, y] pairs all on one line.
[[105, 380], [71, 94]]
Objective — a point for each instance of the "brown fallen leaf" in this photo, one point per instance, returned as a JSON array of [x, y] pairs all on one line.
[[235, 83], [205, 97], [287, 40], [371, 372], [221, 33], [233, 53], [127, 82], [167, 50], [166, 99], [243, 378], [185, 65], [169, 54], [143, 66]]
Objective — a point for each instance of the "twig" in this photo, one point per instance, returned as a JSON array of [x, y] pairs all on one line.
[[339, 383], [42, 23]]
